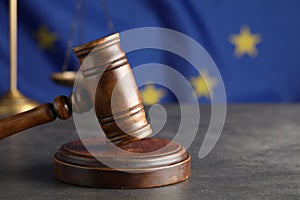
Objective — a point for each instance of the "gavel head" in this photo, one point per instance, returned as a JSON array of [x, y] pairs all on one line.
[[113, 90]]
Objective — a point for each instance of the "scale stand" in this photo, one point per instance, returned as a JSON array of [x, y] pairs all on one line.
[[67, 77], [14, 101]]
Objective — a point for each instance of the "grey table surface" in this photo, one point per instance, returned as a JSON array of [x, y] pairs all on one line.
[[256, 157]]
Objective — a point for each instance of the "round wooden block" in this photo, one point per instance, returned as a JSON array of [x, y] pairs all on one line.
[[151, 163]]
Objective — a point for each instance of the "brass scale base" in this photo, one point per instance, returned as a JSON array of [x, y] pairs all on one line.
[[160, 166], [14, 102], [75, 165]]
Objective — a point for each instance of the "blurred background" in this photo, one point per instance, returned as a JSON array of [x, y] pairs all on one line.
[[254, 43]]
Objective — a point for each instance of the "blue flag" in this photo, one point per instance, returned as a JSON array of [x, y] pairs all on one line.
[[255, 44]]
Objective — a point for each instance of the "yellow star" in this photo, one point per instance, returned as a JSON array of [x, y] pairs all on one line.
[[151, 95], [203, 84], [245, 42], [46, 39]]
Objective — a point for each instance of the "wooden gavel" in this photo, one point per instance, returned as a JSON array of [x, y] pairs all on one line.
[[109, 88], [109, 61]]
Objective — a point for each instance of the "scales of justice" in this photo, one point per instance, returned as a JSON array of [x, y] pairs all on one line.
[[144, 161]]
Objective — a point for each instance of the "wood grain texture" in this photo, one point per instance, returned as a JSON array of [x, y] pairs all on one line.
[[153, 163], [113, 90], [60, 108], [257, 157], [37, 116]]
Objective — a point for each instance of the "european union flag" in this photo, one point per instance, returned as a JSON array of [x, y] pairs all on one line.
[[254, 43]]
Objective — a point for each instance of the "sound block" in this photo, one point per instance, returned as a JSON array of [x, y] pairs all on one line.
[[146, 163]]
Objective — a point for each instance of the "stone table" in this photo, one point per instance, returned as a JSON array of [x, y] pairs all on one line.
[[256, 157]]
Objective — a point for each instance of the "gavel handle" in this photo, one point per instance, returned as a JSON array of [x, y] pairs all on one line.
[[61, 108], [37, 116]]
